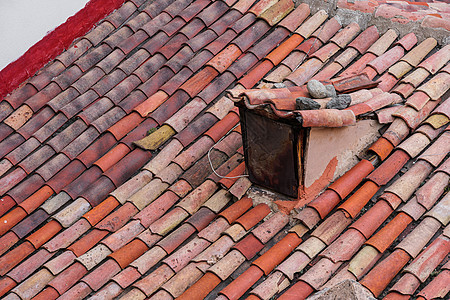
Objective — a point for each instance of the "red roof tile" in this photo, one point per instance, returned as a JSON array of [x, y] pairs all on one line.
[[359, 199], [370, 221], [384, 238], [202, 287]]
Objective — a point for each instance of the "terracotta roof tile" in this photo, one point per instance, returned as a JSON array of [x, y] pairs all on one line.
[[435, 61], [236, 232], [79, 290], [196, 128], [168, 221], [34, 284], [101, 274], [359, 199], [437, 86], [438, 287], [389, 168], [320, 273], [8, 240], [227, 265], [202, 287], [363, 261], [429, 259], [344, 247], [440, 211], [340, 276], [16, 98], [309, 217], [68, 277], [126, 277], [156, 209], [410, 181], [128, 253], [310, 25], [312, 246], [370, 221], [5, 285], [444, 167], [87, 242], [296, 262], [148, 259], [181, 188], [275, 255], [300, 289], [30, 223], [134, 294], [213, 231], [123, 235], [275, 223], [181, 258], [148, 193], [238, 287], [153, 281], [277, 12], [405, 286], [436, 152], [384, 272], [179, 283], [384, 238], [15, 256], [176, 238]]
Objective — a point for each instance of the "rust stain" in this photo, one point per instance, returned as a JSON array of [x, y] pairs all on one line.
[[308, 194]]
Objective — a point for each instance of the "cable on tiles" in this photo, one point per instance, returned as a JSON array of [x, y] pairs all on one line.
[[210, 162]]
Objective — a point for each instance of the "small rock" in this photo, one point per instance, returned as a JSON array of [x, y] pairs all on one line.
[[316, 89], [279, 85], [303, 103], [339, 102], [331, 92]]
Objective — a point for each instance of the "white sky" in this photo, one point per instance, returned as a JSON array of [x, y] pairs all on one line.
[[25, 22]]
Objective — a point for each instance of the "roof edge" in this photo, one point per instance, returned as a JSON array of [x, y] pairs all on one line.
[[52, 44]]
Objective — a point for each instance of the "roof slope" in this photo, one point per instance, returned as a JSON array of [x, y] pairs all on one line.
[[105, 172]]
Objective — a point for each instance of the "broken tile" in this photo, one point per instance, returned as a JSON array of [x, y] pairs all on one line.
[[320, 273], [126, 277], [295, 263], [154, 280], [67, 236], [87, 241]]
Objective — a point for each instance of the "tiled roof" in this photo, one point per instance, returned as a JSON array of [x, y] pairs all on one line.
[[106, 154]]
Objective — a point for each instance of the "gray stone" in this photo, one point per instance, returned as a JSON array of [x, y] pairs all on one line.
[[303, 103], [347, 289], [316, 89], [279, 85], [339, 102], [331, 92]]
